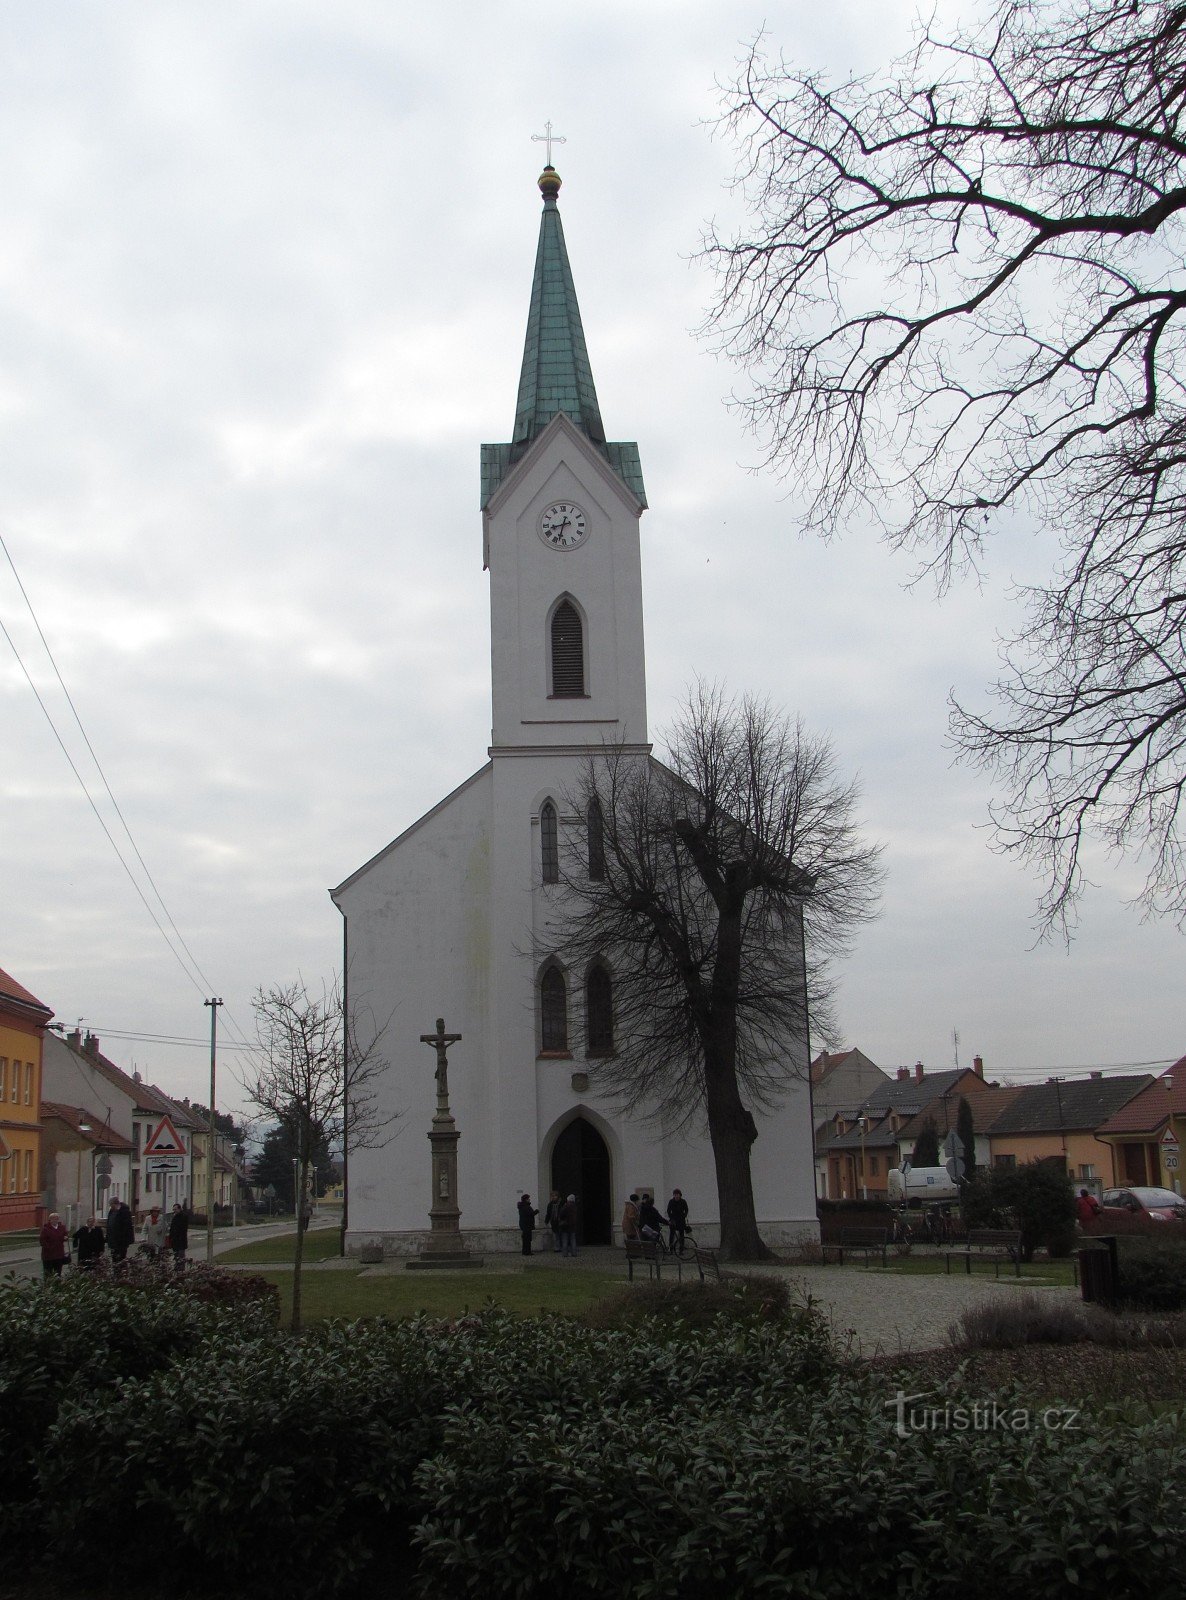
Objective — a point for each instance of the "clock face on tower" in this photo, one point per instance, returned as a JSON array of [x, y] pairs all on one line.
[[563, 526]]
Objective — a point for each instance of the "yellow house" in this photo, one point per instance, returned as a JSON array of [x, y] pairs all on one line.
[[1060, 1121], [23, 1021]]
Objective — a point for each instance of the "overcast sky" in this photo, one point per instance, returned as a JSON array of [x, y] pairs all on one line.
[[264, 274]]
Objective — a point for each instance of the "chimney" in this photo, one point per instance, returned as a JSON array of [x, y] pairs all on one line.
[[91, 1043], [74, 1039], [978, 1066], [1095, 1074], [918, 1071], [903, 1074]]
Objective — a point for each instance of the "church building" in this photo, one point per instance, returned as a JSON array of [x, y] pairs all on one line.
[[451, 919]]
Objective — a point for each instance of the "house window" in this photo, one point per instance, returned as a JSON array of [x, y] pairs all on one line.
[[553, 1010], [549, 843], [568, 653], [599, 1012], [3, 1077], [135, 1138], [874, 1166], [1087, 1169], [1004, 1161], [28, 1083], [595, 828], [28, 1171]]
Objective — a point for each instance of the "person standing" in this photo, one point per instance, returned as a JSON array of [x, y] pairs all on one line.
[[650, 1222], [178, 1235], [568, 1226], [630, 1218], [1087, 1208], [121, 1231], [552, 1218], [153, 1235], [88, 1244], [677, 1220], [55, 1246], [527, 1216]]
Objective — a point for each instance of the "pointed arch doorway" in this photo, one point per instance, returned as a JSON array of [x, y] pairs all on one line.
[[581, 1166]]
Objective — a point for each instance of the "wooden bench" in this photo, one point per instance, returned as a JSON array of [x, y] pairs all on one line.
[[646, 1253], [998, 1245], [870, 1240]]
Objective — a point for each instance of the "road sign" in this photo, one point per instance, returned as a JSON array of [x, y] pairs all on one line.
[[165, 1141], [1169, 1158], [1169, 1136], [164, 1163], [953, 1149]]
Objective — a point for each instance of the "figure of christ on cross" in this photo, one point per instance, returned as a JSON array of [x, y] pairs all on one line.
[[441, 1041], [548, 138]]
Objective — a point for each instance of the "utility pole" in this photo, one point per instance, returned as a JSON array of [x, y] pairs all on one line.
[[214, 1005]]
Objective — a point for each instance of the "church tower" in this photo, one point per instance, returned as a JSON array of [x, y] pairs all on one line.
[[561, 507], [452, 918]]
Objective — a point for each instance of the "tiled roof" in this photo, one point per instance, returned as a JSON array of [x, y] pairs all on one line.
[[556, 375], [99, 1133], [986, 1106], [1147, 1111], [10, 989], [909, 1095], [1078, 1104], [824, 1065]]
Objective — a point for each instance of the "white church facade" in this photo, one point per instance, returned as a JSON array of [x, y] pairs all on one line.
[[451, 919]]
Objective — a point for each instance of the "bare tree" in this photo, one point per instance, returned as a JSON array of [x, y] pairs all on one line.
[[303, 1082], [961, 307], [690, 886]]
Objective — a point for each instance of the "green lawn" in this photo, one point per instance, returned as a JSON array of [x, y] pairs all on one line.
[[1056, 1272], [403, 1294], [322, 1244]]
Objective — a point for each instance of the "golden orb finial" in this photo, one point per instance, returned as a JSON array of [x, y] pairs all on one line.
[[549, 183]]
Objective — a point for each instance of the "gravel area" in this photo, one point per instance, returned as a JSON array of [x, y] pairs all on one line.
[[882, 1313]]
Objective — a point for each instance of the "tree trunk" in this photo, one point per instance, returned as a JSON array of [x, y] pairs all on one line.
[[731, 1130], [298, 1255]]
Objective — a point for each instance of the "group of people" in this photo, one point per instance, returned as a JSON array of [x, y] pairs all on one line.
[[560, 1223], [92, 1241], [641, 1219]]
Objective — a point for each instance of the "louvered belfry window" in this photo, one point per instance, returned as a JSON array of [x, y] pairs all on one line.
[[568, 653], [549, 843], [599, 1012], [553, 1010]]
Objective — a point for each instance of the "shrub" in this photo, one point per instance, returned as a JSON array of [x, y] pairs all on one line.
[[742, 1299], [1022, 1319], [1152, 1274], [1037, 1198]]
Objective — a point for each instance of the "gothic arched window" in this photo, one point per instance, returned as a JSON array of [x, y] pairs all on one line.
[[549, 843], [595, 829], [599, 1012], [553, 1010], [568, 653]]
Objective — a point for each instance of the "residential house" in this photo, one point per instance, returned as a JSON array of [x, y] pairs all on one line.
[[1147, 1132], [78, 1074], [871, 1138], [84, 1163], [838, 1082], [1058, 1121], [985, 1106], [23, 1021]]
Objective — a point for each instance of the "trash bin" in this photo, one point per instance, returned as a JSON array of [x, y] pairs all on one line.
[[1098, 1277]]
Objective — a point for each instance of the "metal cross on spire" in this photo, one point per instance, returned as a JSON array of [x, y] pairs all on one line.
[[548, 138]]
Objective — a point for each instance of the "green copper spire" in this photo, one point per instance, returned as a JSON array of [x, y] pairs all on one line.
[[556, 375]]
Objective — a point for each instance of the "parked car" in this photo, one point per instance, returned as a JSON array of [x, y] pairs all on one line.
[[1161, 1205]]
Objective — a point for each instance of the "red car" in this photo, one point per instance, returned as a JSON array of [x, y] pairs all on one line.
[[1162, 1205]]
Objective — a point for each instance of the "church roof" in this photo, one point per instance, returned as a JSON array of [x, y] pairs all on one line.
[[556, 375]]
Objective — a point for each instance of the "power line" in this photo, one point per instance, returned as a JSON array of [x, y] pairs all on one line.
[[205, 986]]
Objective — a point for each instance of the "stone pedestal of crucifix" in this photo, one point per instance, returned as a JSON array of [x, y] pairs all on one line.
[[444, 1246]]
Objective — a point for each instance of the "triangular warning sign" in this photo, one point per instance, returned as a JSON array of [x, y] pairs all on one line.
[[1169, 1136], [165, 1141]]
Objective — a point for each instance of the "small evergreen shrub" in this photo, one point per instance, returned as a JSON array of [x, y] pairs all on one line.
[[738, 1298], [1152, 1274], [1037, 1198], [1022, 1319]]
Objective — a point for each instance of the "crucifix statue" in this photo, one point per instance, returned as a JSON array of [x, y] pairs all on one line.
[[441, 1040], [548, 139], [444, 1246]]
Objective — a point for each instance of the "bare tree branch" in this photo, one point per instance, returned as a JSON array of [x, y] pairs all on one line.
[[962, 300]]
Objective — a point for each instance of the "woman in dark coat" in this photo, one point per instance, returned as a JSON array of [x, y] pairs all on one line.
[[177, 1235], [527, 1216], [88, 1245]]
